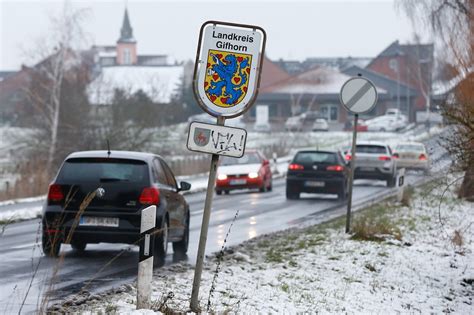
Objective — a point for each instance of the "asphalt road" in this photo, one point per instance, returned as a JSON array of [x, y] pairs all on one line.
[[26, 274]]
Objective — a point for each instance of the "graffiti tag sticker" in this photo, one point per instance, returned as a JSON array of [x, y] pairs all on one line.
[[227, 69]]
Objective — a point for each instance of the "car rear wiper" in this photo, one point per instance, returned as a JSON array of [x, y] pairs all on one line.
[[112, 179]]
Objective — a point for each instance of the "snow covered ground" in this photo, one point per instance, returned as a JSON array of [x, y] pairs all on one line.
[[420, 261]]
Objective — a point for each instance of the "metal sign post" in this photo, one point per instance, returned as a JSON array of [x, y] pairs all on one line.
[[204, 227], [229, 60], [358, 95], [351, 176]]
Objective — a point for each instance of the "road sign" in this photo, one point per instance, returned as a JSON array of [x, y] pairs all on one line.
[[358, 95], [227, 68], [216, 139]]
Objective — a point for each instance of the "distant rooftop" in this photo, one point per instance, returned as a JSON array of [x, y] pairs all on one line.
[[339, 63], [158, 83]]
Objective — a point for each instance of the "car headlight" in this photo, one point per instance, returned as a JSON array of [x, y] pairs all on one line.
[[222, 177], [253, 175]]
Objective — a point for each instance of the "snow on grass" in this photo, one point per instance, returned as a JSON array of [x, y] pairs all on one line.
[[20, 214], [22, 200], [417, 265]]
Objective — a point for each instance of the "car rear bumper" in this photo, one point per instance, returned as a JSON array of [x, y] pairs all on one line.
[[413, 164], [250, 183], [331, 186], [376, 173], [64, 222], [104, 236]]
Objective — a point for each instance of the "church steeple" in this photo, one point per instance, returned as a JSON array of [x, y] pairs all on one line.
[[126, 32], [126, 44]]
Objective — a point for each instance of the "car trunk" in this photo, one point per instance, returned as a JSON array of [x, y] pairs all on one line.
[[315, 165], [117, 184]]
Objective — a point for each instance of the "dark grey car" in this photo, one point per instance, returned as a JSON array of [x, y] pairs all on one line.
[[97, 197]]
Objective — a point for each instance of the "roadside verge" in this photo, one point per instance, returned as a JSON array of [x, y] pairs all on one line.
[[411, 257]]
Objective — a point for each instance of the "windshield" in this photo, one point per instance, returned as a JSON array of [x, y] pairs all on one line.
[[251, 158], [100, 170], [376, 149], [315, 157]]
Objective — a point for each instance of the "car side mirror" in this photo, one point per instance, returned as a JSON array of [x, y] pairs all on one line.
[[265, 162], [184, 186]]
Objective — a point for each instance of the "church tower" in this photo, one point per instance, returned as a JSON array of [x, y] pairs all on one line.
[[126, 44]]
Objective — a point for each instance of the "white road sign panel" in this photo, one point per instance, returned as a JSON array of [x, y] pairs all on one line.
[[214, 139], [227, 69], [358, 95]]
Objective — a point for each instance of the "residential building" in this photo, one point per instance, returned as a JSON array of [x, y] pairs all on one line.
[[411, 65]]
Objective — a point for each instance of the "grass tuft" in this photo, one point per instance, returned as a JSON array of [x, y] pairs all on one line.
[[368, 228]]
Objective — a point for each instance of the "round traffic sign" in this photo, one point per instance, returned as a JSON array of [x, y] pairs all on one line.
[[358, 95]]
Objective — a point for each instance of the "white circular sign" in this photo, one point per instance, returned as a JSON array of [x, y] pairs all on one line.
[[228, 64], [358, 95]]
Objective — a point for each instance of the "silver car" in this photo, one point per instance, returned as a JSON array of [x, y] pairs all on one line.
[[374, 161], [412, 155]]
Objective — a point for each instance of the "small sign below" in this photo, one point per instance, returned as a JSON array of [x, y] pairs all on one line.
[[358, 95], [214, 139]]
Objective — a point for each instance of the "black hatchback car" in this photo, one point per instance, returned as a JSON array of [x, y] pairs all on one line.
[[98, 197], [317, 172]]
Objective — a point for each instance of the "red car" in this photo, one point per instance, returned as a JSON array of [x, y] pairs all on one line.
[[252, 171], [361, 126]]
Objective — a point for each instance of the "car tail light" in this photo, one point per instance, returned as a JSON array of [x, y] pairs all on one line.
[[295, 167], [422, 157], [55, 193], [395, 156], [384, 158], [348, 157], [336, 168], [149, 196]]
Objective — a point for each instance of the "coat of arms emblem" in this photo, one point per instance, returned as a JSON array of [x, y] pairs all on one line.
[[201, 136], [227, 77]]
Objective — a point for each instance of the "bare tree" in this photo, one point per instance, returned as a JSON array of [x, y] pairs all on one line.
[[453, 22], [59, 57]]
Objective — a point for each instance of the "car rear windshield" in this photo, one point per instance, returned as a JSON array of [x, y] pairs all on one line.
[[375, 149], [315, 157], [410, 147], [101, 170], [251, 158]]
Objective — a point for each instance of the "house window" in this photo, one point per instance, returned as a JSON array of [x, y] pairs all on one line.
[[330, 112], [126, 56]]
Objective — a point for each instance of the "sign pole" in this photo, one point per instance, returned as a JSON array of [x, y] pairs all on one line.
[[351, 177], [204, 228], [358, 95]]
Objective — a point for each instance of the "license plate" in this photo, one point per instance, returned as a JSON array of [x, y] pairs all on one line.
[[367, 169], [314, 184], [238, 181], [99, 221]]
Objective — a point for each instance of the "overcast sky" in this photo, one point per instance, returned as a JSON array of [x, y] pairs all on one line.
[[295, 30]]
